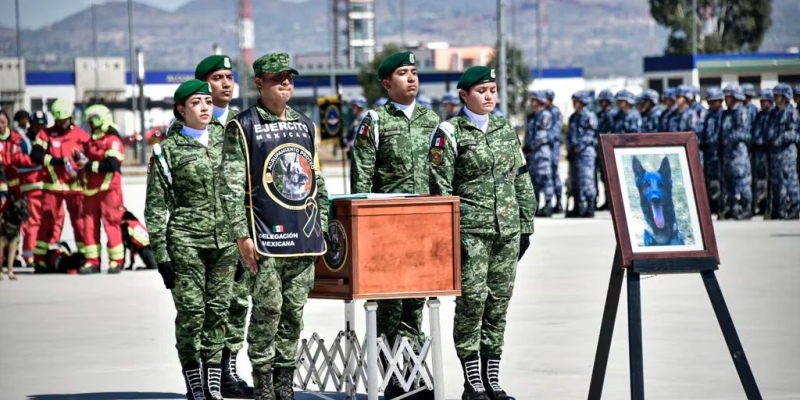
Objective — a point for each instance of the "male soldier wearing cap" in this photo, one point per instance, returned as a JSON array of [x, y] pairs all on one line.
[[277, 207], [217, 71], [391, 157]]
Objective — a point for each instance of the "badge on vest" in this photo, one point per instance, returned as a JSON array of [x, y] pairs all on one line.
[[288, 175]]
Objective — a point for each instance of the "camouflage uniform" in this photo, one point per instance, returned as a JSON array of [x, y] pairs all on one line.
[[785, 193], [183, 214], [538, 153], [760, 154], [735, 136], [626, 122], [555, 141], [710, 150], [281, 286], [581, 142], [669, 112], [391, 157], [651, 117], [487, 170]]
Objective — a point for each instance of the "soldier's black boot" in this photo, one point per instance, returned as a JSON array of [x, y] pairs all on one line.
[[558, 209], [212, 388], [473, 381], [233, 387], [586, 211], [193, 377], [395, 388], [262, 384], [491, 378], [282, 379], [546, 211]]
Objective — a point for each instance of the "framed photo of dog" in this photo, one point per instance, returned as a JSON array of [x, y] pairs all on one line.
[[659, 202]]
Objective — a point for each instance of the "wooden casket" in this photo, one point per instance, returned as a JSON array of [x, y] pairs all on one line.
[[384, 247]]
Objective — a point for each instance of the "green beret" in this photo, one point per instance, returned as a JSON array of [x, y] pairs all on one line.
[[475, 75], [273, 63], [394, 61], [190, 87], [211, 64]]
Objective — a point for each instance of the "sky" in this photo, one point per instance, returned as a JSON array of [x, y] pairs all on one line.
[[35, 14]]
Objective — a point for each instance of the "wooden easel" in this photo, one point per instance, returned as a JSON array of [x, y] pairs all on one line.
[[705, 267]]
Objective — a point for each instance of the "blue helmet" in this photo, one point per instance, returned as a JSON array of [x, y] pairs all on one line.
[[734, 91], [683, 91], [626, 96], [749, 90], [380, 101], [782, 89], [766, 94], [583, 96], [550, 94], [797, 89], [539, 95], [359, 101], [652, 95], [606, 94], [714, 93], [425, 101], [669, 93], [450, 97]]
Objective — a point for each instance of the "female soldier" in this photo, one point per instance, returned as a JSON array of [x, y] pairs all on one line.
[[477, 156], [102, 188], [190, 239]]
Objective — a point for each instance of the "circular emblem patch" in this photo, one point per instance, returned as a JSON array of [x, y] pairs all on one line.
[[337, 246], [332, 120], [288, 176]]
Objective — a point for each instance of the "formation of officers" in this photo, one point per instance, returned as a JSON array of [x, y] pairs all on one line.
[[237, 211], [43, 166], [748, 145]]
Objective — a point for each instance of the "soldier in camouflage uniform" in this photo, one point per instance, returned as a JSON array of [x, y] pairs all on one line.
[[670, 110], [478, 157], [538, 153], [750, 94], [784, 189], [276, 206], [581, 144], [555, 140], [710, 147], [735, 136], [217, 71], [760, 152], [627, 119], [699, 112], [651, 113], [451, 105], [605, 124], [391, 157], [190, 237], [684, 118]]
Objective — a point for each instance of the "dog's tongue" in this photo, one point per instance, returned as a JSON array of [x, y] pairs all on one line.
[[658, 216]]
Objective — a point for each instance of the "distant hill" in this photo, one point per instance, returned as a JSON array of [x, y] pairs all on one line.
[[606, 37]]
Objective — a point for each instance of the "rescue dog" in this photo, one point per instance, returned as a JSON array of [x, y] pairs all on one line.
[[133, 233], [294, 178], [658, 207], [15, 214]]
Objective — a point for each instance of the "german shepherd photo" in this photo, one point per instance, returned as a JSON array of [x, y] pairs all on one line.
[[658, 206]]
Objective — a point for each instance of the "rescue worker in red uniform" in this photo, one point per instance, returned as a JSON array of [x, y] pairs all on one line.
[[102, 191], [30, 180], [53, 149]]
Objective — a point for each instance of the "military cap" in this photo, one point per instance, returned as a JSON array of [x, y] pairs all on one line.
[[583, 96], [550, 94], [669, 93], [734, 91], [425, 101], [539, 95], [450, 97], [749, 90], [359, 101], [782, 89], [190, 87], [39, 117], [273, 63], [211, 64], [714, 93], [797, 89], [766, 94], [395, 61], [475, 75], [683, 91], [652, 95]]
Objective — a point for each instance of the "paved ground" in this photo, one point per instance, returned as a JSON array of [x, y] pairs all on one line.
[[111, 337]]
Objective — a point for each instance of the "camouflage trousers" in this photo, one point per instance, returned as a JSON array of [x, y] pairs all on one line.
[[738, 180], [558, 186], [401, 318], [203, 280], [280, 291], [540, 168], [784, 185], [237, 313], [583, 168], [760, 178], [488, 270]]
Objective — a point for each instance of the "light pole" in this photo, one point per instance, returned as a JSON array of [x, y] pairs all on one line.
[[21, 75], [142, 100], [502, 73], [131, 68], [94, 55]]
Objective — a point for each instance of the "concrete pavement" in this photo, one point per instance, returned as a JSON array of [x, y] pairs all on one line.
[[112, 337]]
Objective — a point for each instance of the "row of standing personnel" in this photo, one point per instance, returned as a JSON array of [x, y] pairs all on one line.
[[749, 153], [254, 183]]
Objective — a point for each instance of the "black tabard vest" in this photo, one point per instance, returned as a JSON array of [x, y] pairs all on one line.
[[282, 189]]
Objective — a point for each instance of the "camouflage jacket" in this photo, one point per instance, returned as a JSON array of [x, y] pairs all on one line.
[[537, 134], [650, 120], [783, 127], [487, 170], [627, 122], [233, 176], [391, 151], [183, 206], [558, 124]]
